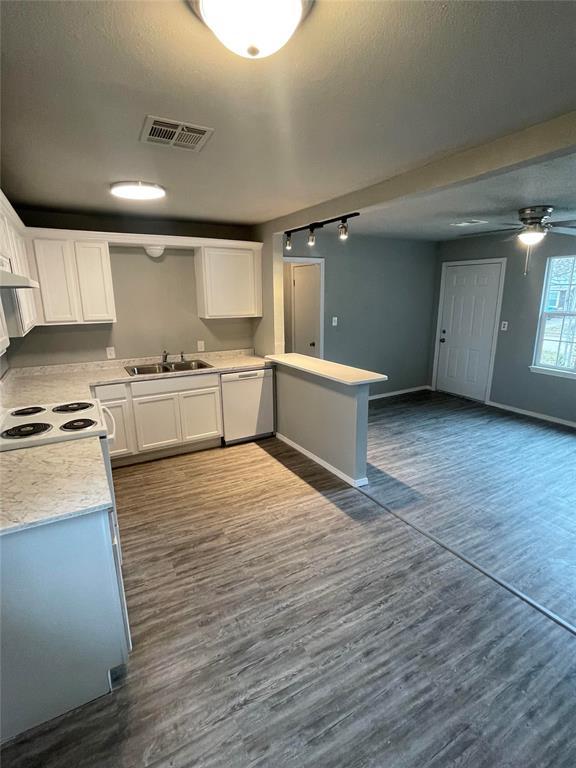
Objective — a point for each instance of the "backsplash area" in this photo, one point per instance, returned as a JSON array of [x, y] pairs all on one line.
[[156, 309]]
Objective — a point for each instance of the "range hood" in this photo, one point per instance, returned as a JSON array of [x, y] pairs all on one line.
[[10, 280]]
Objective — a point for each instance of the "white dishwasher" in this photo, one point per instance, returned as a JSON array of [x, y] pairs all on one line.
[[248, 404]]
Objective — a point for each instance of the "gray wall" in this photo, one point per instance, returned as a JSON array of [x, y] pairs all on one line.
[[326, 418], [155, 307], [513, 383], [383, 292]]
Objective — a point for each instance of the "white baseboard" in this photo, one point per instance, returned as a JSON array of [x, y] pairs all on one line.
[[400, 392], [532, 414], [347, 479]]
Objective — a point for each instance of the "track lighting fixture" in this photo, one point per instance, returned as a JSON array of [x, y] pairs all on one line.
[[343, 230], [311, 228]]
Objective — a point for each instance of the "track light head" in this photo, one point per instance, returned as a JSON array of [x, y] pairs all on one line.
[[343, 230], [288, 245], [311, 237]]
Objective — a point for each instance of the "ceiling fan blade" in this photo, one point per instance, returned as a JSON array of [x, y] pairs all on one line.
[[492, 232], [571, 223], [564, 231]]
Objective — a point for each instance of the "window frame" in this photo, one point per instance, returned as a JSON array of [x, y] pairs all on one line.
[[544, 314]]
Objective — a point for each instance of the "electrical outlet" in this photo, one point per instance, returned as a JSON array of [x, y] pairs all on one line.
[[504, 325], [201, 346], [334, 322], [110, 353]]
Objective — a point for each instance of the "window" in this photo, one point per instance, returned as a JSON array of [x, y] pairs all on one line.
[[556, 341]]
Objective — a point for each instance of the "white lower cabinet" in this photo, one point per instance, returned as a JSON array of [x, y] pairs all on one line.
[[157, 419], [200, 414], [121, 445], [191, 412], [154, 414]]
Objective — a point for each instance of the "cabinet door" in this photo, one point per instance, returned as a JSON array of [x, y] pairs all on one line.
[[24, 297], [201, 413], [95, 282], [122, 427], [57, 278], [4, 338], [231, 282], [5, 245], [157, 419]]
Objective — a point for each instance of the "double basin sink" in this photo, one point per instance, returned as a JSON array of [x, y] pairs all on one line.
[[152, 368]]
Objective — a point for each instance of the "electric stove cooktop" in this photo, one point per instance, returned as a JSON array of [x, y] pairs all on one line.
[[38, 424]]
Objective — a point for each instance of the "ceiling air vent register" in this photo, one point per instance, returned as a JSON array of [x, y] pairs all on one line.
[[171, 133]]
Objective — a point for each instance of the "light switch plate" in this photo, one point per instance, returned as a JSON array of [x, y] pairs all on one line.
[[201, 346], [334, 322], [111, 353], [504, 325]]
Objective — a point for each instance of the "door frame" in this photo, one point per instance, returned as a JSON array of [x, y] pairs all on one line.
[[296, 261], [464, 263]]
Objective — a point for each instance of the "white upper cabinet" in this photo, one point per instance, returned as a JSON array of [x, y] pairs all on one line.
[[95, 282], [58, 283], [75, 281], [228, 282], [19, 304], [4, 338]]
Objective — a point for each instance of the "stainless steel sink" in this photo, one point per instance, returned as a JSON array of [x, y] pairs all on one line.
[[153, 368]]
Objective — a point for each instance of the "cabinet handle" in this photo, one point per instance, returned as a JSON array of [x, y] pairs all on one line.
[[247, 375]]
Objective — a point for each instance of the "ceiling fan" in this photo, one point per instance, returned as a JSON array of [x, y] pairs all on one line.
[[535, 223]]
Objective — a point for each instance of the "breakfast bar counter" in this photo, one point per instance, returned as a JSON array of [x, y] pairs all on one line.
[[322, 411]]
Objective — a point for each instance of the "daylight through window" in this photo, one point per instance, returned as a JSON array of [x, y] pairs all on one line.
[[556, 342]]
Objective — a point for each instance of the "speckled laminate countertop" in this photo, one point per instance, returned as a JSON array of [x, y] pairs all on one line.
[[51, 482], [56, 383], [41, 485]]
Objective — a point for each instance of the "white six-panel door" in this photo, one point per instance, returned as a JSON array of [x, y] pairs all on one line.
[[470, 298]]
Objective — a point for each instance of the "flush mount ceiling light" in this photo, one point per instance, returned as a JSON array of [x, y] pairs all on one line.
[[137, 190], [253, 29]]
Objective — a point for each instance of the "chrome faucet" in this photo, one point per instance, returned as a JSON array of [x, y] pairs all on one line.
[[165, 356]]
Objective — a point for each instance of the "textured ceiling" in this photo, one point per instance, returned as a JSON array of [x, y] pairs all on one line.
[[495, 200], [364, 91]]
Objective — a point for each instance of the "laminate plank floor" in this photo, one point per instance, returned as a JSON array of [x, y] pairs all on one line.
[[496, 487], [281, 618]]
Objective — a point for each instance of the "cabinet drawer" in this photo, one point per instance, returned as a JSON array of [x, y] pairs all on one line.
[[175, 384], [110, 391]]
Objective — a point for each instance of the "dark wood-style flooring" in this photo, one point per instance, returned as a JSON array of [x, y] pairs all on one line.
[[281, 618], [498, 488]]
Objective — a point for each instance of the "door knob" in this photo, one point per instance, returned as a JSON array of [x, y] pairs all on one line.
[[442, 341], [312, 343]]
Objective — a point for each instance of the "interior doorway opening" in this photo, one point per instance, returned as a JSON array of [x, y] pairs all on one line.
[[304, 306]]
